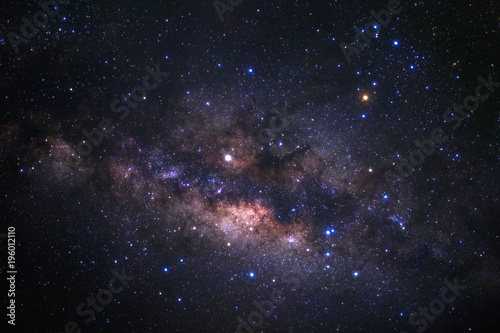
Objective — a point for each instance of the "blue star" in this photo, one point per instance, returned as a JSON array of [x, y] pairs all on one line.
[[250, 70], [396, 43], [165, 269], [363, 116], [356, 273], [251, 274]]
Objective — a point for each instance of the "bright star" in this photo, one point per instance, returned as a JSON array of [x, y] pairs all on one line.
[[228, 158]]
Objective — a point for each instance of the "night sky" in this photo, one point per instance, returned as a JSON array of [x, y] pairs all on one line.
[[251, 166]]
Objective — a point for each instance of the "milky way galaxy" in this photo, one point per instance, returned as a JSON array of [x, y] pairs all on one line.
[[244, 162]]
